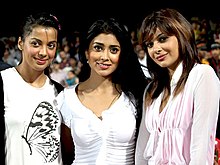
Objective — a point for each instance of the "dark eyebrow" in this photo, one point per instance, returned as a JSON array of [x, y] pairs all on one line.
[[115, 46], [98, 43], [38, 40], [35, 39], [103, 44], [159, 35]]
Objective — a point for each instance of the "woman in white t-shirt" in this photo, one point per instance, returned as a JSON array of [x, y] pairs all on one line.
[[31, 135], [100, 114]]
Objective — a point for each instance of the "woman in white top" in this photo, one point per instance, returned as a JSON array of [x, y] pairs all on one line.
[[31, 135], [100, 112], [181, 105]]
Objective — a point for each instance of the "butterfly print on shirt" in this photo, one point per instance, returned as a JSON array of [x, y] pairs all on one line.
[[40, 132]]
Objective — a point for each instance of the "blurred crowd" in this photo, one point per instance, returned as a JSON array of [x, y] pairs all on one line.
[[67, 66], [207, 35]]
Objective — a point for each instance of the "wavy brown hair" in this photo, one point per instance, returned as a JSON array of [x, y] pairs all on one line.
[[172, 23]]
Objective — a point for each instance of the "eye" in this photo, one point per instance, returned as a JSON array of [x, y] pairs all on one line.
[[98, 48], [114, 50], [149, 45], [35, 44], [51, 45], [162, 39]]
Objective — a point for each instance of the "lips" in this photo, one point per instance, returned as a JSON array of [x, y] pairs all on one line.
[[104, 66], [161, 57], [41, 61]]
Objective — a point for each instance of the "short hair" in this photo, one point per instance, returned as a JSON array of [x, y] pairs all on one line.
[[215, 45]]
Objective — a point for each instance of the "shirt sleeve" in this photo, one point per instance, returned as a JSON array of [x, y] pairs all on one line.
[[63, 108], [205, 115], [59, 100]]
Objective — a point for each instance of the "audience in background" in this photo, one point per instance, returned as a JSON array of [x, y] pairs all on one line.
[[207, 31], [3, 65], [214, 60]]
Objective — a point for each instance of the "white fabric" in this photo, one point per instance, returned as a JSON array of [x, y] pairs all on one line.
[[143, 63], [110, 141], [31, 139], [184, 132]]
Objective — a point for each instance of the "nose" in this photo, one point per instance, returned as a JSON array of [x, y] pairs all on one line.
[[104, 55], [43, 51], [157, 48]]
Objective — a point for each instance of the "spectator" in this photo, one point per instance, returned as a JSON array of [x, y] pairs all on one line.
[[3, 65], [71, 79], [214, 61]]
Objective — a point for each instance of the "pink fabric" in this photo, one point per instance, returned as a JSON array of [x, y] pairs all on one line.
[[184, 132]]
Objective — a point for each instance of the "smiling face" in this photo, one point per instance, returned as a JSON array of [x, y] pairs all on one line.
[[38, 48], [164, 50], [103, 54]]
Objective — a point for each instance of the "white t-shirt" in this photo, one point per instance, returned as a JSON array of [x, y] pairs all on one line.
[[110, 141], [32, 122]]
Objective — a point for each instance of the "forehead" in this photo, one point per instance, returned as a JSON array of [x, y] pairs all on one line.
[[152, 35], [42, 33], [105, 39], [157, 32]]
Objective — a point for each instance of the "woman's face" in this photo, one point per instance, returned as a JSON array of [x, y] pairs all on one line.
[[164, 50], [103, 54], [39, 48]]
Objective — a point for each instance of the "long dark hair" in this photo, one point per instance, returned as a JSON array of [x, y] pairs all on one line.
[[129, 74], [171, 23]]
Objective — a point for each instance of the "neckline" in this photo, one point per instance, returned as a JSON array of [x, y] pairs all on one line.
[[112, 103], [29, 84]]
